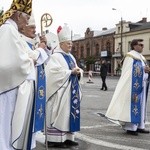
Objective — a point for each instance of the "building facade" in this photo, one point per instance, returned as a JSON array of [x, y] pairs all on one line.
[[94, 47], [111, 45], [130, 31]]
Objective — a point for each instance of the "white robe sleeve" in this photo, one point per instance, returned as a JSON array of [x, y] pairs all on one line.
[[43, 56], [15, 64], [57, 73]]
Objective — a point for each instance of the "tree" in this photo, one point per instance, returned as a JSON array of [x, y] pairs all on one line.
[[90, 60]]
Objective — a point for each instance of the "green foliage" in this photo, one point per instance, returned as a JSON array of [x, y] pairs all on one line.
[[90, 60]]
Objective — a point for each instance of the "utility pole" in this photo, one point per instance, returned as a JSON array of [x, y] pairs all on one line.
[[121, 32], [121, 35]]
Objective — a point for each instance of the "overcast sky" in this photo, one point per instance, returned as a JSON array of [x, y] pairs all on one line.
[[80, 14]]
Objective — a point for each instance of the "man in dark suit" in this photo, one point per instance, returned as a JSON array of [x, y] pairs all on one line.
[[103, 74]]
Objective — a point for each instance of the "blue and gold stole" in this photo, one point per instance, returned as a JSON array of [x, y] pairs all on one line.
[[75, 97], [40, 98], [136, 89]]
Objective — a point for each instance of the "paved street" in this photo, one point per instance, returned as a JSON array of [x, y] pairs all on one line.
[[96, 132]]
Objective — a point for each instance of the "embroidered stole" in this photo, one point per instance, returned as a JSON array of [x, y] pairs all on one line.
[[136, 89], [75, 97], [40, 98]]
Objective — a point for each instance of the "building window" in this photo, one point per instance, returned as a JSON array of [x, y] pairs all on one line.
[[82, 52], [119, 30], [108, 46], [88, 49], [119, 45], [97, 50], [73, 51]]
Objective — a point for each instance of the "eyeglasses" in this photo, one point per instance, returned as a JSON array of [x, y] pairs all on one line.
[[140, 45]]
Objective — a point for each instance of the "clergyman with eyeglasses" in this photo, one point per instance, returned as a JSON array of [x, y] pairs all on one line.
[[128, 105]]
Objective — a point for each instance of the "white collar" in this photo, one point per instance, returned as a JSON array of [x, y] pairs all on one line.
[[29, 40], [61, 51]]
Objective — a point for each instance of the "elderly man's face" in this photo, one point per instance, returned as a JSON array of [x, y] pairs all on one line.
[[30, 31], [22, 20], [66, 46]]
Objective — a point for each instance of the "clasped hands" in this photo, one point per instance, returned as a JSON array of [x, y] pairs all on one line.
[[43, 42], [75, 71]]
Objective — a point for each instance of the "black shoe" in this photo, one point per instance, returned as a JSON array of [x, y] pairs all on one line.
[[132, 132], [71, 143], [101, 89], [57, 144], [50, 144], [143, 131]]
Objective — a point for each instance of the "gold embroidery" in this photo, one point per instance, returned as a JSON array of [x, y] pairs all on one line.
[[137, 70], [135, 98], [17, 5], [41, 92], [129, 55]]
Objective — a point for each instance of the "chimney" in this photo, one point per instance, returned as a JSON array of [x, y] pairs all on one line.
[[103, 29], [144, 19]]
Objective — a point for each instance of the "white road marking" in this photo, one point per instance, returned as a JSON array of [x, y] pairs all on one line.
[[97, 126], [104, 125], [105, 144], [41, 138]]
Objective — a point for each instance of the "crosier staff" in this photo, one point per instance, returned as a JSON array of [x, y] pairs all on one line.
[[46, 21]]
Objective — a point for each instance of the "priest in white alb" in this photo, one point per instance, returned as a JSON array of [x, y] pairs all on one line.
[[40, 54], [63, 93], [16, 82], [128, 106]]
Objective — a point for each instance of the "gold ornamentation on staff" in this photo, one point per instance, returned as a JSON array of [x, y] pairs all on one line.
[[46, 21]]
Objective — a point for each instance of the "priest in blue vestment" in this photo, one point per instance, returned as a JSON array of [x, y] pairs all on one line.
[[128, 106], [63, 93]]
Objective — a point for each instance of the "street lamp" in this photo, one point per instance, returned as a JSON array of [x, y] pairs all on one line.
[[121, 31]]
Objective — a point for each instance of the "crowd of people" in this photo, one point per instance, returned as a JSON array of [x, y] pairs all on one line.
[[40, 91]]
